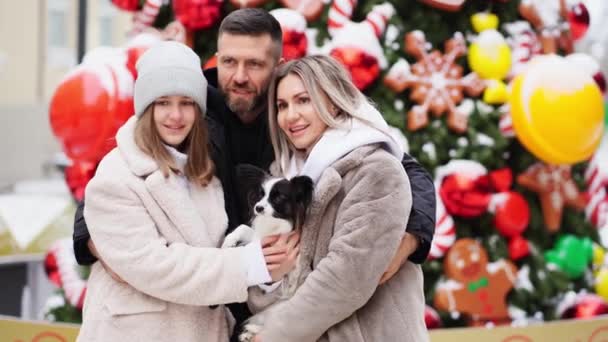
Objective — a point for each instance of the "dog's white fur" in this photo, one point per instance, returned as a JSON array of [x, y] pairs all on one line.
[[263, 224]]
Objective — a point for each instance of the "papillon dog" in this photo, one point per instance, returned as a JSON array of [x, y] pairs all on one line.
[[275, 206]]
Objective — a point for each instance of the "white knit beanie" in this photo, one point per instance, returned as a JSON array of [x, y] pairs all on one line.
[[169, 68]]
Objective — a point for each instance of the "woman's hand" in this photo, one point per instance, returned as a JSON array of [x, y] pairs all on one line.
[[281, 253], [257, 338], [408, 245]]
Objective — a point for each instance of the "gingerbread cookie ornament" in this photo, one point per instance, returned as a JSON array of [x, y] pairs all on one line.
[[436, 82], [475, 287], [555, 188]]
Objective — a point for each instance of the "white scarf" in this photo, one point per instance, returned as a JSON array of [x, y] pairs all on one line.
[[338, 142]]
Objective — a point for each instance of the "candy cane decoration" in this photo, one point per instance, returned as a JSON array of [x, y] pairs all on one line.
[[505, 125], [341, 12], [596, 178], [146, 17], [524, 45], [70, 281], [445, 231]]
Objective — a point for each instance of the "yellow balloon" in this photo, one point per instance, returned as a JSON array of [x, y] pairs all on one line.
[[557, 111], [484, 21], [496, 92], [601, 284], [490, 56]]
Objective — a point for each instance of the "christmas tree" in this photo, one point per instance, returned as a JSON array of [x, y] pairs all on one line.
[[519, 204]]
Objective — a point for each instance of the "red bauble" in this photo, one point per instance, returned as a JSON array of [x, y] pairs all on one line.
[[578, 17], [463, 196], [77, 176], [363, 67], [501, 179], [600, 80], [127, 5], [518, 248], [584, 306], [431, 318], [511, 214], [197, 14], [295, 44]]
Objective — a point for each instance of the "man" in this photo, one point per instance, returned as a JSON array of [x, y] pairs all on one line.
[[249, 48]]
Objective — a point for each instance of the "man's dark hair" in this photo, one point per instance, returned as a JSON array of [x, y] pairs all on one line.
[[253, 22]]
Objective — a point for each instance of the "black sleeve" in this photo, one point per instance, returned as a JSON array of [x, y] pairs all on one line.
[[422, 218], [81, 238]]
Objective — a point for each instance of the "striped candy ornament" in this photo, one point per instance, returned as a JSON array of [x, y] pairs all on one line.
[[505, 125], [146, 17], [445, 232], [341, 11], [596, 178], [67, 277]]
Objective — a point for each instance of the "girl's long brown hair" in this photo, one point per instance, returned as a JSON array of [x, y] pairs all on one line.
[[199, 166]]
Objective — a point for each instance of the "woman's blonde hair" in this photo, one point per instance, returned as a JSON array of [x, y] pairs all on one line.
[[199, 166], [332, 93]]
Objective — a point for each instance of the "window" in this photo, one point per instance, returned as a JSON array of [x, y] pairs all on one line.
[[60, 52]]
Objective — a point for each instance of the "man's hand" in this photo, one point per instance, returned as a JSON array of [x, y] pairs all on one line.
[[93, 250], [408, 245], [281, 254]]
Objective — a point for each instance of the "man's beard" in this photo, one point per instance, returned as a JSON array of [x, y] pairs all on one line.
[[241, 106]]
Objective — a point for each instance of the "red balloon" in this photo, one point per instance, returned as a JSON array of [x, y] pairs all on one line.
[[87, 108], [519, 247], [127, 5], [77, 176], [197, 14], [363, 67], [578, 17], [512, 214]]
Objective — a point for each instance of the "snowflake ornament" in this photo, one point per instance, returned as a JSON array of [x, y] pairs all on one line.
[[436, 82]]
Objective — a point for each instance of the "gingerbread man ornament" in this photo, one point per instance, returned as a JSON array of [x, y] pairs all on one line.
[[475, 287]]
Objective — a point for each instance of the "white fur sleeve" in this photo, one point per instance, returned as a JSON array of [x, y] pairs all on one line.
[[128, 242]]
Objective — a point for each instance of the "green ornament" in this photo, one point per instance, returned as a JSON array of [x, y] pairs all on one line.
[[571, 255]]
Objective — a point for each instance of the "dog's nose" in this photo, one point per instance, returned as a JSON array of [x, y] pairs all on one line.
[[259, 209]]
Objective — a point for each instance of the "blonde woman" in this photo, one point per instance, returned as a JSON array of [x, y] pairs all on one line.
[[155, 212], [323, 127]]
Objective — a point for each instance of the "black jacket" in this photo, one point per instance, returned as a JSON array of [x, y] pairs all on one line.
[[232, 143]]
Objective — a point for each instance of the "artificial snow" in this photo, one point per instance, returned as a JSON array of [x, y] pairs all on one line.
[[485, 140]]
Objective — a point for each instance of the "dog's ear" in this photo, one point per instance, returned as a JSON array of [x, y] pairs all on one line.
[[249, 179], [302, 187]]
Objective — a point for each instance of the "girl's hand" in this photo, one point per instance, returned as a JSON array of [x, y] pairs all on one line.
[[281, 254]]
